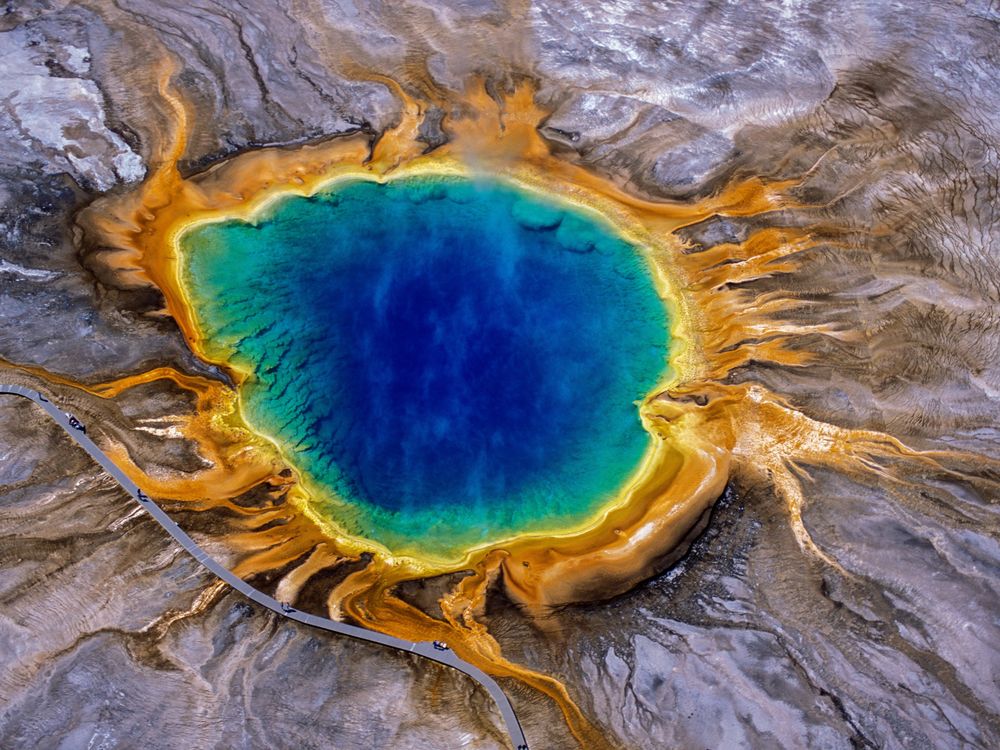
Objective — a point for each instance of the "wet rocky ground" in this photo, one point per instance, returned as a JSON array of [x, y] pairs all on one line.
[[891, 113]]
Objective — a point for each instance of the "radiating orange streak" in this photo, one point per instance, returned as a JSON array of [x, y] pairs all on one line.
[[399, 144], [322, 557], [224, 504], [262, 517], [285, 551], [194, 383], [465, 602]]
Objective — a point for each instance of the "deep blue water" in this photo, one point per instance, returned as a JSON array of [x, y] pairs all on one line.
[[454, 361]]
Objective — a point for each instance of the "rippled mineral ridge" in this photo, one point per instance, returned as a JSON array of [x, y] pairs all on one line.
[[452, 362], [887, 113]]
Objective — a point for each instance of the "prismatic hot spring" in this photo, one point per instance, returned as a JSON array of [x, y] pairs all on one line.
[[479, 358], [446, 362]]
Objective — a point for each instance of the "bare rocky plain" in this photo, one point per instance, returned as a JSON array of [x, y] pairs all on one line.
[[112, 637]]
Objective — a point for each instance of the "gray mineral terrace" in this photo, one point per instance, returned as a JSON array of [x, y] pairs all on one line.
[[429, 650]]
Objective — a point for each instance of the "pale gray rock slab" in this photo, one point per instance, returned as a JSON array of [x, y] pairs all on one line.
[[658, 151], [53, 114], [722, 67]]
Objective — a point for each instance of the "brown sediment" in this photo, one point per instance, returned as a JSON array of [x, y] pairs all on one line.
[[704, 428]]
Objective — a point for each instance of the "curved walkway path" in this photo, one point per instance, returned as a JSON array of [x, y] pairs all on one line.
[[427, 649]]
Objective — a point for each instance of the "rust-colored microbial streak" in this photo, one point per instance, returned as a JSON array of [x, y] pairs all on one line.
[[705, 429]]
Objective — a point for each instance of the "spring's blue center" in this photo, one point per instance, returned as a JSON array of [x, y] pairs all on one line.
[[449, 362]]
